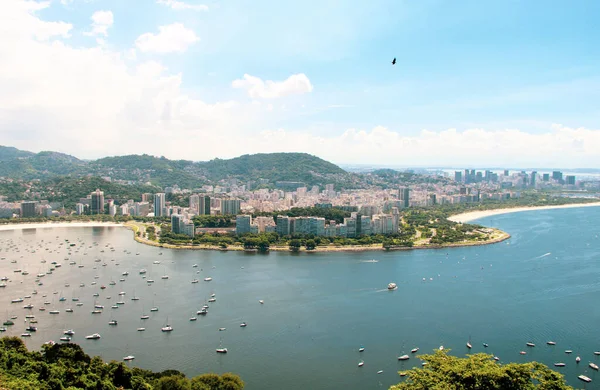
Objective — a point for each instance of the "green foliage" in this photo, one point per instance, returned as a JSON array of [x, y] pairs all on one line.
[[66, 366], [162, 172], [479, 372]]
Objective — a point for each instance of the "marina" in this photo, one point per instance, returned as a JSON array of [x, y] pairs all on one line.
[[281, 309]]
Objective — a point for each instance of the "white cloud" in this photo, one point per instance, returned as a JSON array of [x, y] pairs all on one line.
[[180, 5], [95, 101], [28, 25], [257, 88], [170, 38], [558, 146], [101, 21]]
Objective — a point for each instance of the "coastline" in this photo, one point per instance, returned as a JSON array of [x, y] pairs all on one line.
[[473, 215], [47, 225]]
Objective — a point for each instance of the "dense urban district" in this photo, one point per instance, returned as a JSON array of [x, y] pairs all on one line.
[[278, 201]]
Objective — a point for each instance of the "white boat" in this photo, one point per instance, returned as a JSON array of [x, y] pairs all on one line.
[[550, 343], [559, 364], [261, 301], [392, 286], [195, 281], [167, 327], [243, 325], [94, 336], [154, 309], [414, 350], [403, 357], [469, 343], [222, 329], [165, 277], [212, 300], [530, 344], [193, 318], [441, 348], [380, 371], [145, 317], [577, 359], [568, 351], [361, 363], [195, 266], [207, 279], [65, 338], [112, 322], [141, 329], [361, 349], [594, 366], [143, 271], [128, 358], [54, 312], [584, 378], [597, 353]]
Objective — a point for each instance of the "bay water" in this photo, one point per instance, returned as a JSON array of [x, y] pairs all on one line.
[[542, 284]]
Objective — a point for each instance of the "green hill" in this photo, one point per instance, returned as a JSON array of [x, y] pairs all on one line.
[[162, 172]]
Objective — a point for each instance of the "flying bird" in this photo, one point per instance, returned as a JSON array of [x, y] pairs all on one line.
[[394, 61]]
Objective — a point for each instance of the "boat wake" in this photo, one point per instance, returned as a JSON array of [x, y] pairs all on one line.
[[542, 256], [369, 261]]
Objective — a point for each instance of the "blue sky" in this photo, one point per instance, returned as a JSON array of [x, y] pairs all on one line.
[[476, 83]]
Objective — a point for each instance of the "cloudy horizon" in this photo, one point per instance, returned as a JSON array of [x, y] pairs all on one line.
[[475, 85]]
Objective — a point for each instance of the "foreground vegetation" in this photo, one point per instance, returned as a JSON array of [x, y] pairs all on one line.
[[479, 372], [66, 366]]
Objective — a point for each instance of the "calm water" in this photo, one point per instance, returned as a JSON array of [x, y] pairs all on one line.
[[543, 284]]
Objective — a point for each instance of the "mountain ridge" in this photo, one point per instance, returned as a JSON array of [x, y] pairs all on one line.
[[160, 171]]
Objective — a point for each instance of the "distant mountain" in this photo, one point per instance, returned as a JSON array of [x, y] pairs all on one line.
[[160, 171]]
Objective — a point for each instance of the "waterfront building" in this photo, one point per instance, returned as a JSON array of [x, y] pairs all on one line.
[[97, 202], [176, 223], [159, 204], [283, 225], [243, 224], [28, 209], [79, 209]]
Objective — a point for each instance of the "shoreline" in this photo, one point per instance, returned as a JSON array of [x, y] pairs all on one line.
[[49, 225], [474, 215]]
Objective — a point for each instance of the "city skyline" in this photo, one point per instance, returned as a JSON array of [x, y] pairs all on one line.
[[475, 84]]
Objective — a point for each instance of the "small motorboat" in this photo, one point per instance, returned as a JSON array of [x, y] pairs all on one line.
[[361, 349], [222, 329], [392, 286], [559, 364], [568, 351], [496, 358], [530, 344], [577, 359], [207, 279], [594, 366], [141, 329], [403, 357], [167, 328], [261, 301], [243, 325], [193, 318], [523, 353], [128, 358], [112, 322], [221, 350], [485, 345], [551, 343], [584, 378], [94, 336], [361, 363], [414, 350], [380, 371]]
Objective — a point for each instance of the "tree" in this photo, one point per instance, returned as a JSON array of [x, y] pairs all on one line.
[[479, 372], [295, 245], [310, 245]]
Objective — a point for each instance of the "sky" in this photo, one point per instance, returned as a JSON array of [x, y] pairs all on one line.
[[476, 83]]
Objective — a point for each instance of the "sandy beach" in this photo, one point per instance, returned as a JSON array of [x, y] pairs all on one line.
[[473, 215], [46, 225]]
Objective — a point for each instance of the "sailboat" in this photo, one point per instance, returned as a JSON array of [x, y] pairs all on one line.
[[221, 349], [134, 298], [469, 343], [167, 327]]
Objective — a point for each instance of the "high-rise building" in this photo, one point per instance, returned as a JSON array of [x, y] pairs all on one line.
[[97, 202], [570, 180], [230, 206], [506, 172], [176, 223], [243, 224], [557, 175], [79, 208], [159, 204], [458, 176], [195, 203], [546, 177], [405, 196], [204, 205], [147, 197], [283, 225], [533, 178]]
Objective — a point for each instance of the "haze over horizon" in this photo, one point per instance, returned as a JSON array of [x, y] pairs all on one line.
[[476, 84]]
